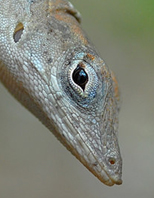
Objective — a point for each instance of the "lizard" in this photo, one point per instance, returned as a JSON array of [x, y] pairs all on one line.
[[49, 65]]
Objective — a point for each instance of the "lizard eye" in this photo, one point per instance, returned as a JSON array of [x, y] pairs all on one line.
[[80, 81], [80, 77]]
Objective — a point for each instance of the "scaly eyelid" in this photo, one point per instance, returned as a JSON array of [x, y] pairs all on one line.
[[92, 82]]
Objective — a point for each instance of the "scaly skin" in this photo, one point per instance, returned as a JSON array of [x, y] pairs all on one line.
[[49, 65]]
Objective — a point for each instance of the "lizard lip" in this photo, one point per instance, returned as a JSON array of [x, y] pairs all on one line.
[[117, 181], [112, 181], [109, 180]]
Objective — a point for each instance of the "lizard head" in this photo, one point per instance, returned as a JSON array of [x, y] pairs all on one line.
[[92, 96], [70, 90]]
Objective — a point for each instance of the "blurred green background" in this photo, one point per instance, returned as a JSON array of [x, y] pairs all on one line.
[[33, 164]]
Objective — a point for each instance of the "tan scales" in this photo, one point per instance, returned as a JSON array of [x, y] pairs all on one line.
[[49, 65]]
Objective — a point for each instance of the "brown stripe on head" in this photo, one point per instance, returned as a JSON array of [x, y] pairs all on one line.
[[74, 26]]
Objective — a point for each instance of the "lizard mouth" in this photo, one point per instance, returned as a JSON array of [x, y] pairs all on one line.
[[106, 178], [115, 180]]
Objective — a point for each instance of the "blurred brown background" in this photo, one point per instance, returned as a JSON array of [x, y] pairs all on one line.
[[33, 164]]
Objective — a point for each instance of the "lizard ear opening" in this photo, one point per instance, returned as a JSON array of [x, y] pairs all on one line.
[[18, 32]]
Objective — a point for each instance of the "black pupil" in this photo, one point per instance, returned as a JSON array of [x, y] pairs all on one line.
[[80, 77]]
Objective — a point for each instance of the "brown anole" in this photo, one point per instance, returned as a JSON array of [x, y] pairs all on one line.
[[49, 65]]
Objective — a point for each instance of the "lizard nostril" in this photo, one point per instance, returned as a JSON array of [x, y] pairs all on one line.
[[112, 161], [18, 32]]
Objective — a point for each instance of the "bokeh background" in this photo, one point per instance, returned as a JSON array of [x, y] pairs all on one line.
[[33, 164]]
